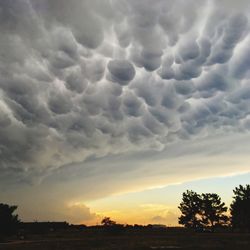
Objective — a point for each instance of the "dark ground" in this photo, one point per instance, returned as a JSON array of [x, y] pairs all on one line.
[[130, 240]]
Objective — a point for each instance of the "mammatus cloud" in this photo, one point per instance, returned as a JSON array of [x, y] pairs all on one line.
[[121, 71], [86, 79]]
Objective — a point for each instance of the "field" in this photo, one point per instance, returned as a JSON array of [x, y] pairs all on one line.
[[130, 240]]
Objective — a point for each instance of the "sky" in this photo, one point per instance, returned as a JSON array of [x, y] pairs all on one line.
[[116, 107]]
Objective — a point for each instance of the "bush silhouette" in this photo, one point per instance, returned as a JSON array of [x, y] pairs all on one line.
[[8, 221]]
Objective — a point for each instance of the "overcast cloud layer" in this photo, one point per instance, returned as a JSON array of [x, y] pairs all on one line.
[[86, 79]]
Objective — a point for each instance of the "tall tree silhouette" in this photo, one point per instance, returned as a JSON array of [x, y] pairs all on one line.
[[190, 208], [8, 221], [240, 208], [213, 211], [202, 211]]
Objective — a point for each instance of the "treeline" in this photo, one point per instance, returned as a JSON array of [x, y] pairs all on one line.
[[206, 211], [200, 212]]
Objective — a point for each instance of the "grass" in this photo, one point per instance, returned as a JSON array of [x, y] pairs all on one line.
[[141, 240]]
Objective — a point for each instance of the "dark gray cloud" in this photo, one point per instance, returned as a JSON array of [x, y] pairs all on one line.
[[121, 71], [59, 103], [86, 79], [75, 80], [132, 104], [231, 32]]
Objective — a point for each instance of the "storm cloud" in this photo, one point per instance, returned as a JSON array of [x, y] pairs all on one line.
[[80, 80]]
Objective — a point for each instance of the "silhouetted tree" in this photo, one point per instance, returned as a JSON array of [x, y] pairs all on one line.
[[213, 211], [240, 208], [190, 208], [106, 221], [202, 211], [8, 221], [111, 226]]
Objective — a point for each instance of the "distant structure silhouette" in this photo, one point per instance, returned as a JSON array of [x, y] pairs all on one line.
[[43, 227]]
